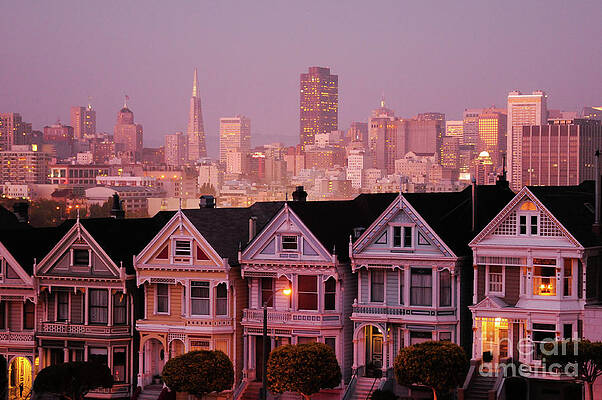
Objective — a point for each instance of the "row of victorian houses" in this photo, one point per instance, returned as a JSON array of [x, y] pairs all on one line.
[[486, 268]]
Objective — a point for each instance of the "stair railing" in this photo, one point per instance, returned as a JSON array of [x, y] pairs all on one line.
[[351, 386], [474, 366], [371, 388], [240, 389]]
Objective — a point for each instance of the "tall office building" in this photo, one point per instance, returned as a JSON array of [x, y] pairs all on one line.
[[385, 144], [197, 147], [128, 135], [318, 104], [492, 135], [470, 126], [24, 164], [13, 131], [176, 149], [83, 121], [560, 153], [523, 110], [358, 132], [234, 135]]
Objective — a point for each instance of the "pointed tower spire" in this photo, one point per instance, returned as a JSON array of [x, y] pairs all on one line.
[[382, 99], [195, 85]]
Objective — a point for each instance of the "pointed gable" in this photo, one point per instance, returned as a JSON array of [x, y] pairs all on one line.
[[400, 230], [525, 216]]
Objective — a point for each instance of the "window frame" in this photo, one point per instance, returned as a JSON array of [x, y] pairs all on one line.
[[202, 285], [157, 295], [530, 228], [333, 294], [371, 283], [401, 286], [296, 242], [270, 299], [412, 269], [441, 288], [116, 306], [91, 306], [80, 250], [223, 299], [59, 295], [313, 294], [32, 313], [403, 244], [488, 279], [125, 364], [552, 278]]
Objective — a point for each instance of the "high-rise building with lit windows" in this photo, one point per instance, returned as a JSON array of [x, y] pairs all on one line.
[[318, 104], [176, 149], [234, 135], [523, 110], [128, 135], [492, 135], [13, 131], [83, 121]]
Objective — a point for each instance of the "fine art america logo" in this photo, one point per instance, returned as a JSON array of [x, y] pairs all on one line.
[[529, 350]]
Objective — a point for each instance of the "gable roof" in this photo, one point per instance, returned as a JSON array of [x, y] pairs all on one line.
[[449, 214], [573, 207], [227, 229], [332, 222], [29, 245]]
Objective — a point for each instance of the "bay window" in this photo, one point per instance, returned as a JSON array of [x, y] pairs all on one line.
[[544, 277], [421, 287], [267, 292], [99, 306], [377, 286], [62, 306], [330, 291], [199, 298], [308, 292], [221, 299], [445, 288], [119, 309], [162, 297], [496, 278]]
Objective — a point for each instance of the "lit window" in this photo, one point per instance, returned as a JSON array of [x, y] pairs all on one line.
[[544, 277]]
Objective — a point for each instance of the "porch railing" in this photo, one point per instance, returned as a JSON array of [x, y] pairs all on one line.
[[63, 328], [401, 310], [16, 337], [287, 317]]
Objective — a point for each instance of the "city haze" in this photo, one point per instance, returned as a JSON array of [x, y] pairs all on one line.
[[424, 56]]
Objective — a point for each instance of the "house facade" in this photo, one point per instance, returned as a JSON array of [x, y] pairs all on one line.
[[536, 277], [86, 291], [304, 248]]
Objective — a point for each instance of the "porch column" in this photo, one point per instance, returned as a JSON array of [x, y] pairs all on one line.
[[140, 367], [475, 284], [245, 356], [355, 355], [86, 352], [110, 309], [86, 306], [385, 353], [66, 353], [41, 359]]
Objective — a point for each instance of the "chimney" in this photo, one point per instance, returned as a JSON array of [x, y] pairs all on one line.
[[357, 231], [21, 211], [596, 226], [207, 201], [299, 194], [252, 227], [117, 211], [474, 204]]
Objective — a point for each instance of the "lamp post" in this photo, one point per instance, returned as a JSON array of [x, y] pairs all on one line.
[[264, 377]]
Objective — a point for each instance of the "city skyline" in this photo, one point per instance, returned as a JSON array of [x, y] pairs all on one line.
[[413, 80]]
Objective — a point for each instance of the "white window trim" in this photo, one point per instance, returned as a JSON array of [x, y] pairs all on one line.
[[384, 271], [451, 288], [401, 276], [528, 214], [412, 236], [503, 291], [227, 314], [72, 258], [189, 259], [297, 250], [211, 314], [168, 299], [317, 310], [574, 283], [336, 292]]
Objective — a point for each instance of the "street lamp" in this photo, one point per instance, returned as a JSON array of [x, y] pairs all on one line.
[[264, 377]]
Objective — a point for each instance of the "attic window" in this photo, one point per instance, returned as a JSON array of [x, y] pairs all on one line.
[[81, 257], [290, 243], [183, 248]]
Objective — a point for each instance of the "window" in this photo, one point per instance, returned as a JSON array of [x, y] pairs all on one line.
[[2, 315], [397, 236], [445, 336], [331, 342], [407, 236], [199, 298], [421, 287], [533, 224], [119, 309], [162, 298], [81, 257], [522, 223], [401, 286], [119, 359], [567, 331], [330, 292], [542, 334], [377, 286], [28, 315], [99, 306], [568, 277], [98, 355], [221, 299], [445, 288], [544, 277], [308, 292], [496, 278], [62, 306], [289, 243], [183, 248], [420, 337], [267, 291]]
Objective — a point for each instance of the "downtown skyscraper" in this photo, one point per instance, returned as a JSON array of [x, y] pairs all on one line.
[[318, 104], [196, 130], [523, 110], [83, 121]]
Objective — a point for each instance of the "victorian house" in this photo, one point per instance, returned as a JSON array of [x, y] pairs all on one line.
[[536, 278], [413, 266], [193, 291], [305, 248], [18, 303], [85, 286]]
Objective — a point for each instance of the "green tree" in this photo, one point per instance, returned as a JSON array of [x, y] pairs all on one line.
[[579, 358], [102, 211], [303, 368], [72, 380], [45, 212], [440, 366], [199, 372]]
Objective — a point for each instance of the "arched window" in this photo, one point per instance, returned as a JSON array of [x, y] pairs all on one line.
[[445, 288]]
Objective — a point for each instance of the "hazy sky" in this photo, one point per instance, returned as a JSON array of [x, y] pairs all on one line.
[[424, 55]]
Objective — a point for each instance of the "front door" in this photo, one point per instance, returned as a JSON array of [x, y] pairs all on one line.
[[374, 349], [259, 356], [494, 340]]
